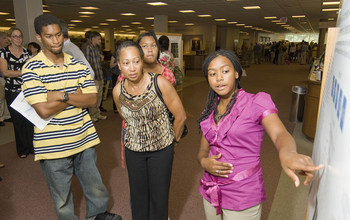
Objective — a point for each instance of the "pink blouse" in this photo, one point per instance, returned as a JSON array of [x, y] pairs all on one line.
[[238, 137]]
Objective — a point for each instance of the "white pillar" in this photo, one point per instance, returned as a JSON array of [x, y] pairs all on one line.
[[209, 38], [161, 23], [25, 13], [109, 39]]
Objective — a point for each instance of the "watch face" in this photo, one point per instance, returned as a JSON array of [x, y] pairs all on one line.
[[65, 97]]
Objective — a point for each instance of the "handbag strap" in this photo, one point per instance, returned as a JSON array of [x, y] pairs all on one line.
[[159, 93]]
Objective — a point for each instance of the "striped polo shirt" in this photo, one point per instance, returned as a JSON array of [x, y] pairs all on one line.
[[71, 130]]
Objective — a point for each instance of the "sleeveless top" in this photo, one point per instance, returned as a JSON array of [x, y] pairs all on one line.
[[13, 63], [147, 126]]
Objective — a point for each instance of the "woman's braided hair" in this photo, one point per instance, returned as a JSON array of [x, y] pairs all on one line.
[[212, 99]]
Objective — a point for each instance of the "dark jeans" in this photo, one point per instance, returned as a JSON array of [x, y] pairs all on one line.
[[149, 180], [24, 129]]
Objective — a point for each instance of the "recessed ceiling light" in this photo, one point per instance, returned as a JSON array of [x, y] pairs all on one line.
[[204, 16], [76, 21], [4, 13], [331, 3], [240, 24], [271, 17], [248, 26], [46, 11], [140, 27], [127, 14], [149, 18], [87, 29], [85, 16], [280, 23], [129, 29], [87, 12], [330, 9], [103, 24], [330, 19], [298, 16], [44, 6], [10, 19], [135, 22], [111, 19], [186, 11], [125, 26], [220, 19], [157, 3], [72, 25], [274, 21], [94, 26], [89, 8], [232, 22], [285, 25], [172, 21], [251, 7], [189, 24]]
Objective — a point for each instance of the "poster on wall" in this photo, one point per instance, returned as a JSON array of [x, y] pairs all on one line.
[[175, 46], [329, 196]]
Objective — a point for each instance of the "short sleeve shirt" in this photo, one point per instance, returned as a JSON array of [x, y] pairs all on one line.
[[238, 137], [70, 131]]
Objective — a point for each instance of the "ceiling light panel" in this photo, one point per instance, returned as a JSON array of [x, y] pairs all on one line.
[[87, 12], [186, 11], [157, 3], [89, 8], [127, 14], [271, 17], [331, 3], [204, 16], [251, 7]]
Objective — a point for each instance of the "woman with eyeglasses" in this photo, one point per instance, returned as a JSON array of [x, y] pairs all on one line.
[[12, 58]]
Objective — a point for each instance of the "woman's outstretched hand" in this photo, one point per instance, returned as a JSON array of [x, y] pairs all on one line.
[[216, 168], [292, 161]]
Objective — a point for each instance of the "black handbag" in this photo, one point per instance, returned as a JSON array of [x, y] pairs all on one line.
[[170, 115]]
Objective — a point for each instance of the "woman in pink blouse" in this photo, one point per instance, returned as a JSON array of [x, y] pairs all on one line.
[[233, 125]]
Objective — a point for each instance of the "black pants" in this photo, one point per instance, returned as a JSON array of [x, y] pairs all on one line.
[[24, 129], [149, 180]]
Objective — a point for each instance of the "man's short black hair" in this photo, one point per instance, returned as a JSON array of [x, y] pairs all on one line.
[[94, 34], [45, 20]]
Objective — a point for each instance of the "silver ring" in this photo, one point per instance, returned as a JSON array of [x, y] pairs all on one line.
[[217, 171]]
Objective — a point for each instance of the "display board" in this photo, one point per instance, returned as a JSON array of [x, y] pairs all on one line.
[[329, 196]]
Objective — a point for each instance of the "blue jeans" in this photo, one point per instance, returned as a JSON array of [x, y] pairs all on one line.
[[58, 174]]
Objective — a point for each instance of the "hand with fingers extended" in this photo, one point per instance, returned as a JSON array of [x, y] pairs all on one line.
[[292, 161], [215, 167]]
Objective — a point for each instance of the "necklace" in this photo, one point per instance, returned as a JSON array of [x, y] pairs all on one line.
[[217, 116]]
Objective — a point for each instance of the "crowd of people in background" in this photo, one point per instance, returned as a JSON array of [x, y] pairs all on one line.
[[279, 53]]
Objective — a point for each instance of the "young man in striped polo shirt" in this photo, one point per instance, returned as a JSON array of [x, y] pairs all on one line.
[[58, 85]]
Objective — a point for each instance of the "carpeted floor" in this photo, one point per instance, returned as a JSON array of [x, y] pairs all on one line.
[[24, 194]]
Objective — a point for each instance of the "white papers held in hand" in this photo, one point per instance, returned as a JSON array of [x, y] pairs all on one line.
[[23, 107]]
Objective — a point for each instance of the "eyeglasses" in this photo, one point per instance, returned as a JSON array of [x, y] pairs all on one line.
[[17, 36]]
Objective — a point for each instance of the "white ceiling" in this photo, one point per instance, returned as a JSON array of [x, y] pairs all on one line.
[[230, 10]]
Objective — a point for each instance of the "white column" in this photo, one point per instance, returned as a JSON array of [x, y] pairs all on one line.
[[209, 38], [109, 39], [25, 13], [161, 23]]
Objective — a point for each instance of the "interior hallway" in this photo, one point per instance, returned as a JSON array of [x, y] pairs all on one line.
[[24, 194]]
